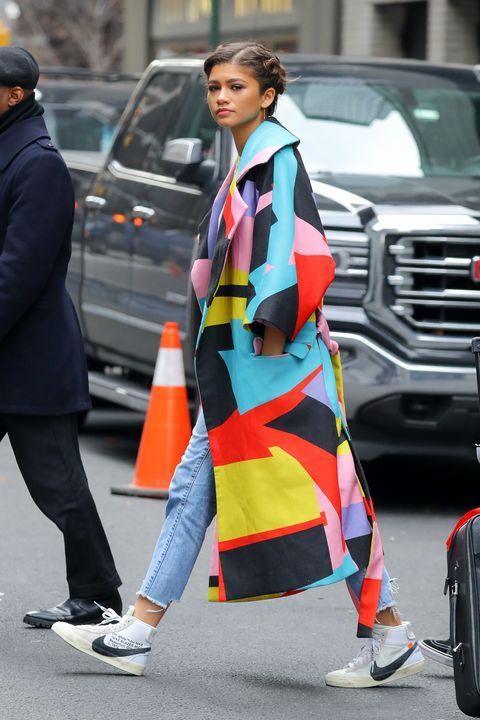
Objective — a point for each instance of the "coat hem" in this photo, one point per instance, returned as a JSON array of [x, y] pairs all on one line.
[[42, 410]]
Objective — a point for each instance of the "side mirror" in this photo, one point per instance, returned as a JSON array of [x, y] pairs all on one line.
[[183, 159], [183, 153]]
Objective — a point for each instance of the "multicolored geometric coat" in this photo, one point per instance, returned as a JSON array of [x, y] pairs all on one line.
[[293, 507]]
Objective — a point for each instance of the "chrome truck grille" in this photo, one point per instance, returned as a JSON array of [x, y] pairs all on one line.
[[434, 283], [350, 251]]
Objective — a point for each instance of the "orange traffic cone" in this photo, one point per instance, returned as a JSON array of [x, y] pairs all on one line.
[[167, 426]]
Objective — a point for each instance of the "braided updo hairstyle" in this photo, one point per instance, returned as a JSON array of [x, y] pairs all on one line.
[[262, 62]]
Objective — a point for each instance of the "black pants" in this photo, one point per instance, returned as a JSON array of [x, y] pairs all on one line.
[[47, 453]]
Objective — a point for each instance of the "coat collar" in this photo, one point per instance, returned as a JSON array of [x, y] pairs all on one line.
[[269, 137], [18, 136]]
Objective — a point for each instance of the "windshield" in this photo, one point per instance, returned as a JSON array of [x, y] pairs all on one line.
[[413, 125], [83, 116], [75, 128]]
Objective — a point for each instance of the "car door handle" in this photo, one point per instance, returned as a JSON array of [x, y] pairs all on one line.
[[143, 212], [94, 202]]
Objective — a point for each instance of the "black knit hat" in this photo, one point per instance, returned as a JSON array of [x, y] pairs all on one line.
[[18, 67]]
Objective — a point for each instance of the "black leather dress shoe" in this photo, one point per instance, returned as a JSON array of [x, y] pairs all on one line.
[[77, 611]]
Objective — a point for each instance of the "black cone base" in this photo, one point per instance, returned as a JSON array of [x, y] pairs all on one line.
[[135, 491]]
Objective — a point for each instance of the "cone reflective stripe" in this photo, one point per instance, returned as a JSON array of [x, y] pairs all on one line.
[[167, 426]]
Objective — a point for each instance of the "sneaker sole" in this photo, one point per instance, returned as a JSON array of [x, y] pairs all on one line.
[[83, 646], [369, 682], [435, 655]]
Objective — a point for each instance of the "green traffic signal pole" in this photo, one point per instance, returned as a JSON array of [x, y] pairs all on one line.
[[215, 24]]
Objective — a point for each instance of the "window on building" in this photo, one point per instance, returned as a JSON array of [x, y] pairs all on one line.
[[413, 39], [267, 7], [179, 11], [401, 29]]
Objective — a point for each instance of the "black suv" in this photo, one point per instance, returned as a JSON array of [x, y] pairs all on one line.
[[393, 152]]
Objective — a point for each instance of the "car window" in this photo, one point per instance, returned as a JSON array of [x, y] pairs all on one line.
[[141, 146], [74, 128], [83, 116], [195, 120]]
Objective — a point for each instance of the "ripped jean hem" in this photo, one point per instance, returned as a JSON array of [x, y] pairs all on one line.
[[162, 605], [386, 606]]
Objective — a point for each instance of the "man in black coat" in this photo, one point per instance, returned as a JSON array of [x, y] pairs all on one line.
[[43, 375]]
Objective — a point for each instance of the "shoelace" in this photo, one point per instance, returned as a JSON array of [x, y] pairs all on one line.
[[109, 617], [367, 653]]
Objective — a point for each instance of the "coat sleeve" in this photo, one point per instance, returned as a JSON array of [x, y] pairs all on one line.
[[39, 220], [291, 264]]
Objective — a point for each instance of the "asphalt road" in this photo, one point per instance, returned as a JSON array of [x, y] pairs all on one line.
[[253, 661]]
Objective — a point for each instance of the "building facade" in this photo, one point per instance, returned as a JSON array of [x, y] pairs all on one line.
[[436, 30], [158, 28]]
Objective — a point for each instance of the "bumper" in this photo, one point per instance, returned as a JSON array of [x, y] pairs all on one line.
[[395, 406]]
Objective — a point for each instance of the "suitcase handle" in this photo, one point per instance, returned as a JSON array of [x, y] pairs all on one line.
[[453, 614], [456, 648], [476, 352], [453, 621]]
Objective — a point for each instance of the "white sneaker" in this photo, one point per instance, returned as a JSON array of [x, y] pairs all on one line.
[[392, 653], [124, 642]]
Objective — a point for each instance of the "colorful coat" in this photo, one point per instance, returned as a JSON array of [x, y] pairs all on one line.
[[293, 508]]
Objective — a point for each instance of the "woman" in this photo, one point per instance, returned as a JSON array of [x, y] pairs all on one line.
[[270, 454]]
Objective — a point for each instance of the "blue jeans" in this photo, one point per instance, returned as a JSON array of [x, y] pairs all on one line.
[[191, 508]]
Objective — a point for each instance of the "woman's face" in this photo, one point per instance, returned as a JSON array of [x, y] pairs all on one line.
[[234, 96]]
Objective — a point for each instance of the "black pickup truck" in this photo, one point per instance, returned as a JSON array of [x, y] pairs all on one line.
[[393, 152]]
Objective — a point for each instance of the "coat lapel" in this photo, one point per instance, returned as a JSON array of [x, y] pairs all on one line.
[[229, 207]]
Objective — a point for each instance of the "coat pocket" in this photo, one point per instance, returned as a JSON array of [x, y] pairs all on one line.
[[282, 355], [298, 350]]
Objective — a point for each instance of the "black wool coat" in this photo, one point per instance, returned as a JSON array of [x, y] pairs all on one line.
[[42, 361]]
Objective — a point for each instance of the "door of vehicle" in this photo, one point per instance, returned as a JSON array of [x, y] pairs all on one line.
[[114, 220], [162, 252]]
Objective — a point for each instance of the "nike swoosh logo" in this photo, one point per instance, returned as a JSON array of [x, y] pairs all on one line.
[[99, 646], [382, 673]]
